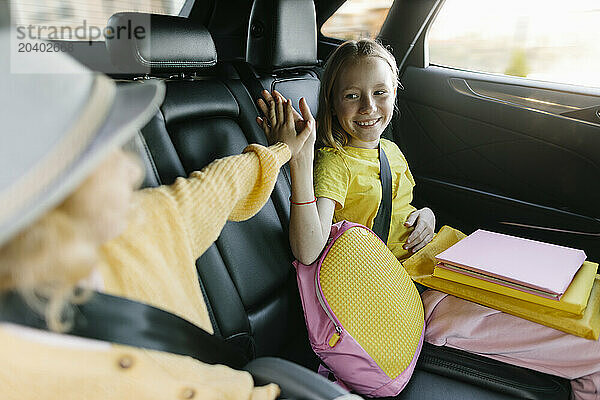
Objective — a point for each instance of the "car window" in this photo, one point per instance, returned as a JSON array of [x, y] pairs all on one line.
[[536, 39], [357, 19], [79, 20]]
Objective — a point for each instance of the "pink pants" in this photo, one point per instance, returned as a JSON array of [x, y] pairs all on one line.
[[471, 327]]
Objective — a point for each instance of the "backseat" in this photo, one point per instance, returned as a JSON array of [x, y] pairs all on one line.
[[246, 276], [251, 294]]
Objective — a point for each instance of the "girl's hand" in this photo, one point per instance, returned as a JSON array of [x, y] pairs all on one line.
[[306, 154], [423, 221], [281, 123]]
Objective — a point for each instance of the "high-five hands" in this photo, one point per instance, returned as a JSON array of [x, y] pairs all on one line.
[[281, 123], [423, 221]]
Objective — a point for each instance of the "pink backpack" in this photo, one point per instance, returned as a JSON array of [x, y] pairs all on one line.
[[363, 313]]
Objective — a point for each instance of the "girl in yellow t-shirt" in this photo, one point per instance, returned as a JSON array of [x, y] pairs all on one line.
[[356, 104]]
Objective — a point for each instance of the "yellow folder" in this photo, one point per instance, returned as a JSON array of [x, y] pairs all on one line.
[[420, 267], [574, 300]]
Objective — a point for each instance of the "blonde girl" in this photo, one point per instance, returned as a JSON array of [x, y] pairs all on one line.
[[356, 103]]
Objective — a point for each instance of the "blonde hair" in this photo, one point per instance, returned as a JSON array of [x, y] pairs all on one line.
[[329, 131], [45, 262]]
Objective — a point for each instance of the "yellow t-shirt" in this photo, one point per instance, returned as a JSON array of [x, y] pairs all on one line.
[[351, 178]]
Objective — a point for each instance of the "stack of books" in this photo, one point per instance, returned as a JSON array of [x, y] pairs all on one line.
[[537, 272]]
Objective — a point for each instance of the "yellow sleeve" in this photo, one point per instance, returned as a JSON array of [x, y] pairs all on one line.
[[232, 188], [407, 173], [332, 176]]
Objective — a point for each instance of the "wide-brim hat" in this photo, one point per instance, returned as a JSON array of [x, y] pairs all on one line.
[[57, 127]]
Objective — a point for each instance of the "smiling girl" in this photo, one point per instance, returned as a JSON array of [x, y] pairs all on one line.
[[356, 104]]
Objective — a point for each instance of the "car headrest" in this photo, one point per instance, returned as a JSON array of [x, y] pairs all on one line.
[[144, 43], [282, 34]]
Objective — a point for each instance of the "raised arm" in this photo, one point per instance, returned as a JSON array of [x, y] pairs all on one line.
[[310, 220], [230, 188], [309, 223]]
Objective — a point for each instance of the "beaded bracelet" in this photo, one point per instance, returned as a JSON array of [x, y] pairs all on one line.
[[303, 203]]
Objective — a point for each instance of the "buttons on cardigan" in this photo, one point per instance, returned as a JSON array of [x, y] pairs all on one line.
[[125, 362], [188, 393]]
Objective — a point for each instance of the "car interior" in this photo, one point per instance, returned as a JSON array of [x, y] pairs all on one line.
[[482, 153]]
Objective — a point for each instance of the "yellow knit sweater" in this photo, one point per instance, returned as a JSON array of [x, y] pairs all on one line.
[[154, 261]]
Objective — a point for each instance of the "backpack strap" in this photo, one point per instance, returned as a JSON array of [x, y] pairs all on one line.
[[381, 224], [128, 322]]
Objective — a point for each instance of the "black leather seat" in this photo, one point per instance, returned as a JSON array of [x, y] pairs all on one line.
[[251, 294], [247, 278]]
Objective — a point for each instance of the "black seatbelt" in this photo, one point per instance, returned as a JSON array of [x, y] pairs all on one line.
[[249, 79], [128, 322], [381, 224]]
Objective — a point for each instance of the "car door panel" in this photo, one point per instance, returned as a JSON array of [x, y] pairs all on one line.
[[504, 153]]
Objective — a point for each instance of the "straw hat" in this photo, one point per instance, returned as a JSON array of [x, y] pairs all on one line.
[[56, 128]]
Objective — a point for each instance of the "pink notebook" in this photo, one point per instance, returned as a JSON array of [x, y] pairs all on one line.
[[539, 266]]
